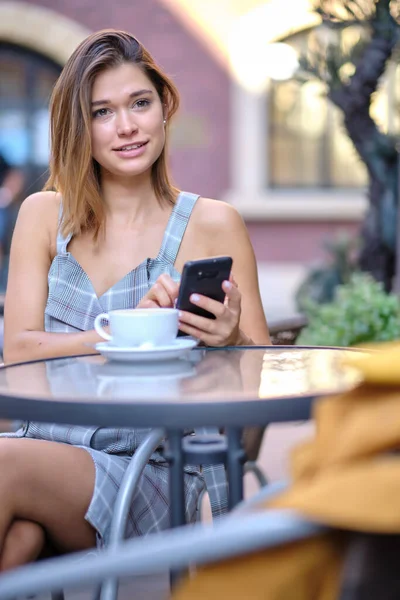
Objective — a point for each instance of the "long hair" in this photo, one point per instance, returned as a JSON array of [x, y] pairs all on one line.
[[74, 173]]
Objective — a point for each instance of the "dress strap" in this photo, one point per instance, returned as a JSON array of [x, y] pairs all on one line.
[[62, 242], [177, 226]]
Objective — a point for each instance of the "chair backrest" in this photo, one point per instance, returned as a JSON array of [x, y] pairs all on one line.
[[168, 550]]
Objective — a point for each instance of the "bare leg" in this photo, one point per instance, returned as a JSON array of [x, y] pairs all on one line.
[[24, 543], [48, 484]]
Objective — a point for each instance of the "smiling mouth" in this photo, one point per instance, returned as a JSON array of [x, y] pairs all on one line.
[[130, 147]]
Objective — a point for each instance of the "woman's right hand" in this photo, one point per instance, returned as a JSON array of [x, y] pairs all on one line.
[[162, 294]]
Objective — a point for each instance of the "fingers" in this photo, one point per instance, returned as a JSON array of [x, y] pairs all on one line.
[[162, 294], [170, 286], [147, 303], [222, 330], [195, 321], [218, 309], [207, 338], [232, 280], [233, 296], [216, 333], [212, 306]]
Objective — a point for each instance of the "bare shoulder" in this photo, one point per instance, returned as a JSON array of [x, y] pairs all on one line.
[[215, 229], [40, 209], [217, 216], [38, 219], [41, 205], [219, 225]]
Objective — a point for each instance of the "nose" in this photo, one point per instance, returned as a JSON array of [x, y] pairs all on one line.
[[126, 124]]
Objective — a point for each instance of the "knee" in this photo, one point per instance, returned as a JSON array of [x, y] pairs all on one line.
[[24, 542], [10, 464]]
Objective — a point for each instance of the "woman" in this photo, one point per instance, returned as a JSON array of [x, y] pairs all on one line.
[[72, 256]]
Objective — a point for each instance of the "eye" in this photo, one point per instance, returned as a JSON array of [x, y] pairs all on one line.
[[101, 112], [143, 103]]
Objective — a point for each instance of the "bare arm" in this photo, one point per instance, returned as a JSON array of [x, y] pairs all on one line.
[[30, 259], [233, 240], [219, 230]]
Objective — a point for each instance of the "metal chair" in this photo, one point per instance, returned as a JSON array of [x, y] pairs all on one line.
[[140, 458], [109, 587], [197, 544]]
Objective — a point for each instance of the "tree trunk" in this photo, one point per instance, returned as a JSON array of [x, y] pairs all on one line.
[[378, 152]]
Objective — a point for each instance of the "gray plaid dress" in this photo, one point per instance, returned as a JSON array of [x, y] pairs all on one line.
[[72, 306]]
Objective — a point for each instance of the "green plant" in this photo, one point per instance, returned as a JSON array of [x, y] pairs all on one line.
[[361, 311], [322, 280]]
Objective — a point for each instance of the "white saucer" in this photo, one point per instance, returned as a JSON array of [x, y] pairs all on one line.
[[177, 349]]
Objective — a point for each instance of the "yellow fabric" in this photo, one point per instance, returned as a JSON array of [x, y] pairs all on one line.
[[304, 571], [348, 477], [374, 366]]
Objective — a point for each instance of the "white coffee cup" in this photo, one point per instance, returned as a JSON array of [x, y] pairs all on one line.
[[139, 326]]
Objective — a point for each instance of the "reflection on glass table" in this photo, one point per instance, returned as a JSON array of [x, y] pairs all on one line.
[[285, 373], [206, 376]]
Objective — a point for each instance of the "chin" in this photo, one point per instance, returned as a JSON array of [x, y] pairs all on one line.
[[127, 170]]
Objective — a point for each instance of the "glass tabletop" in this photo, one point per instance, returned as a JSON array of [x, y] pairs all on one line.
[[205, 375]]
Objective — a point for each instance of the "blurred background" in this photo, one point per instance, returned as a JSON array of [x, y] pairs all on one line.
[[253, 129]]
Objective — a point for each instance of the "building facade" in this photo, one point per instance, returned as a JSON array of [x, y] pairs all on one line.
[[278, 155]]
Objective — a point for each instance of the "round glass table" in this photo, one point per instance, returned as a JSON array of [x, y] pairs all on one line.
[[228, 388], [231, 386]]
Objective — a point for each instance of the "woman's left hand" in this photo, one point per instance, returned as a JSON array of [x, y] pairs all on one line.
[[224, 329]]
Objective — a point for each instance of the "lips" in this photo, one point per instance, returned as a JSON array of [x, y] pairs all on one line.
[[129, 147]]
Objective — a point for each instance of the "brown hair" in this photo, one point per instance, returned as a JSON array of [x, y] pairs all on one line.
[[73, 171]]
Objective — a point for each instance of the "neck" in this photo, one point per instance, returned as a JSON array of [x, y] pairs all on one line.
[[131, 199]]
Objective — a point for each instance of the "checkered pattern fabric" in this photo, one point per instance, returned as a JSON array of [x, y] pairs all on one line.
[[72, 306]]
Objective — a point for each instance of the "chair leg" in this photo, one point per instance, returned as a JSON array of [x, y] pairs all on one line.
[[109, 588], [252, 467], [97, 593]]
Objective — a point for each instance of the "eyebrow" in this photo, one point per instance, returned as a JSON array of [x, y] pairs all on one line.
[[132, 95]]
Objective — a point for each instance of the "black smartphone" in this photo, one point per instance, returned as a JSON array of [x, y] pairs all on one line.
[[203, 277]]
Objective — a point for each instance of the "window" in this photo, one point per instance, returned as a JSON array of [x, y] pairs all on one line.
[[308, 146]]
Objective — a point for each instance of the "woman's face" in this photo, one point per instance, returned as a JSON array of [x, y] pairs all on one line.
[[128, 132]]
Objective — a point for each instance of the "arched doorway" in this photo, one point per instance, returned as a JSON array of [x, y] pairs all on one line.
[[26, 81]]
